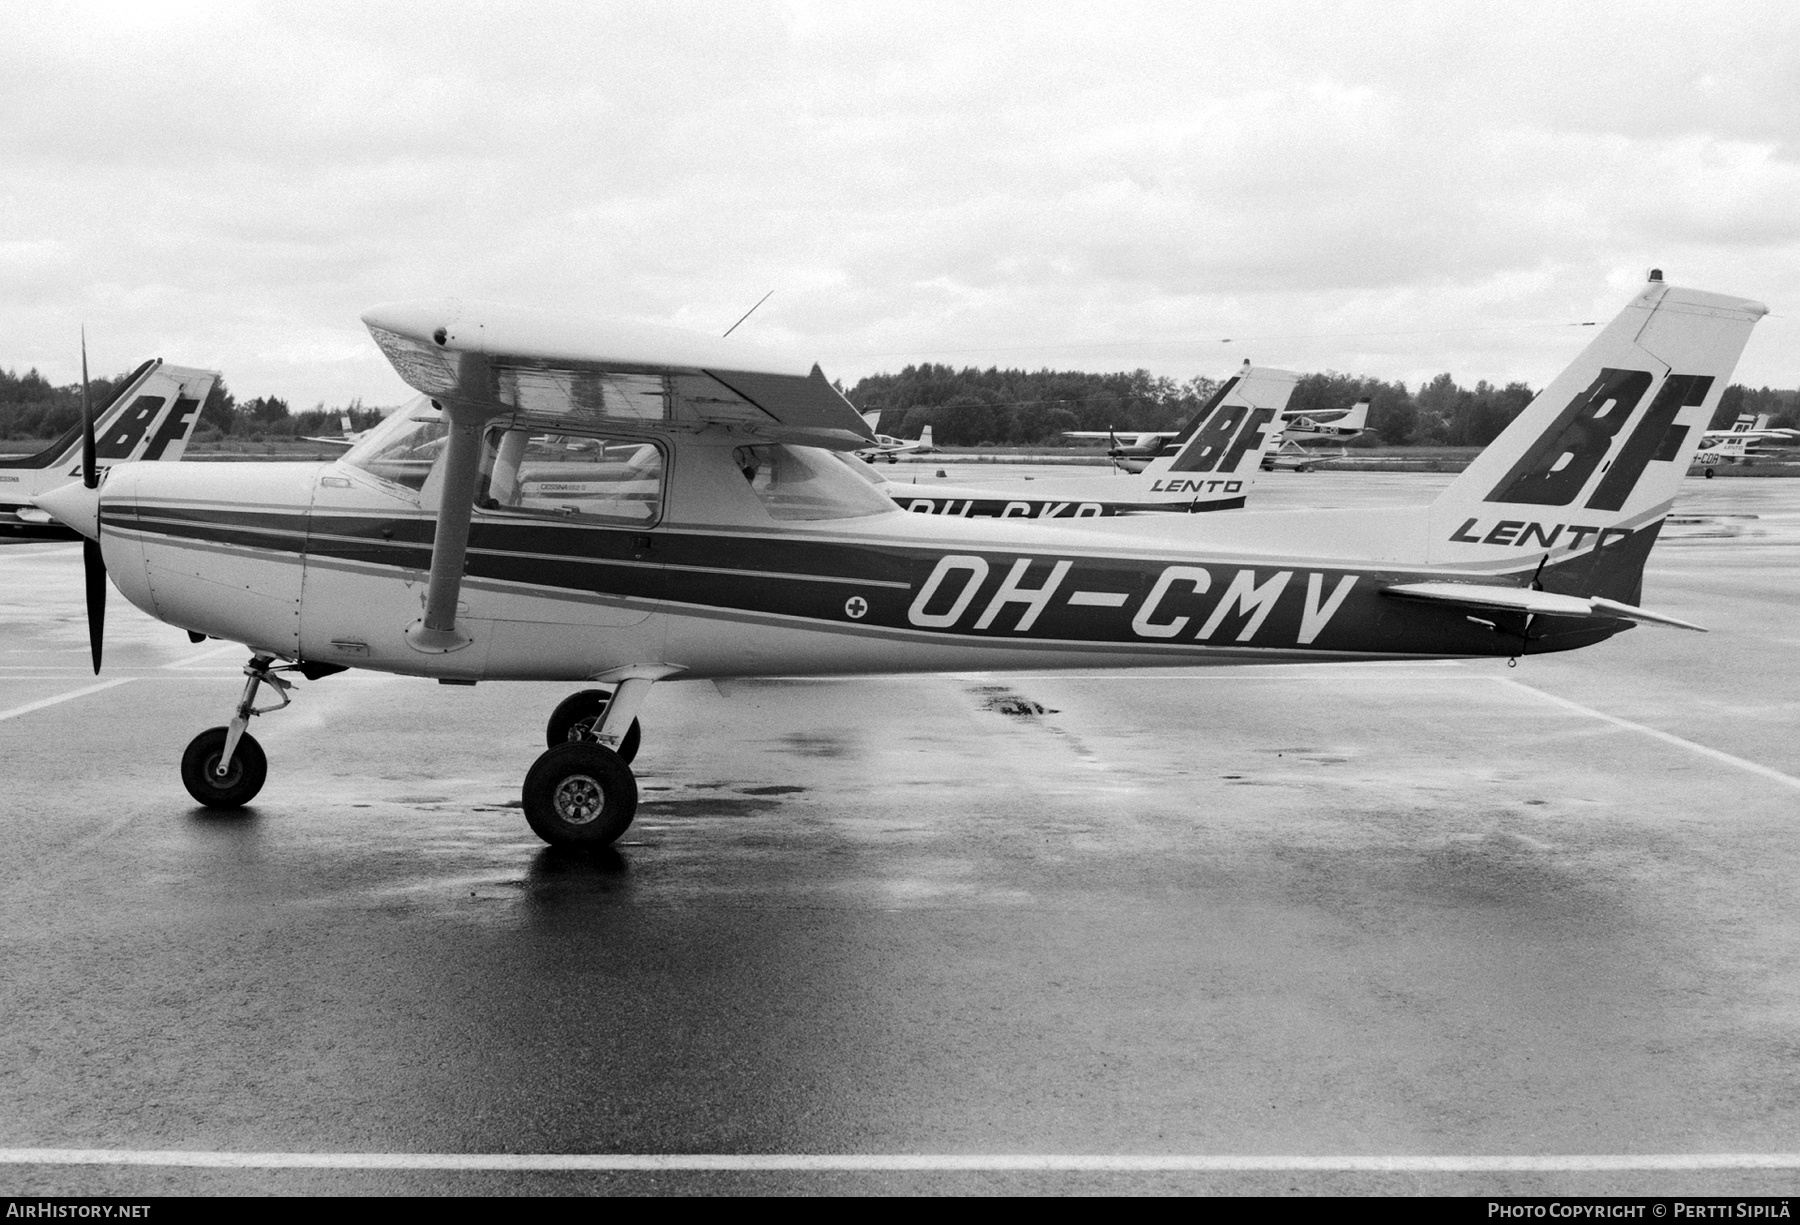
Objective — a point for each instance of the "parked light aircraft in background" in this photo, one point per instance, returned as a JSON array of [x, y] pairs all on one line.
[[889, 448], [1140, 451], [1739, 442], [1211, 469], [1135, 452], [1301, 424], [150, 417], [348, 438], [1298, 428], [715, 535]]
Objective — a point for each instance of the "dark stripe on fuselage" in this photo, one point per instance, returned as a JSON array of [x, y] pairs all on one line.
[[983, 592]]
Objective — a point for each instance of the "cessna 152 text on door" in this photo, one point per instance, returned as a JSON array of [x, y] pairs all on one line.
[[618, 505]]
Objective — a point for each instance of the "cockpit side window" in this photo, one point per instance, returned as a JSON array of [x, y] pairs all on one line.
[[571, 475], [802, 483]]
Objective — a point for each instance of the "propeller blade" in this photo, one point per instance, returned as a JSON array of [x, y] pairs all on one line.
[[90, 474], [95, 573], [92, 564]]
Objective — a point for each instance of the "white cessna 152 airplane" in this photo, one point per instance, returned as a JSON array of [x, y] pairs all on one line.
[[716, 534], [349, 438], [1300, 427], [150, 417], [1211, 469], [1739, 443]]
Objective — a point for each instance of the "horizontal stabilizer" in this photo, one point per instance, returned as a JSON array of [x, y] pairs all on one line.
[[1526, 600]]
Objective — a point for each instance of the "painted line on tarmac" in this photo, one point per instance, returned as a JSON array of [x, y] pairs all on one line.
[[197, 675], [1048, 1162], [26, 709], [199, 659], [1768, 772]]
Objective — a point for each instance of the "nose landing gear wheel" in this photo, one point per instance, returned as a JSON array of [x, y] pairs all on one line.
[[576, 717], [580, 795], [238, 785]]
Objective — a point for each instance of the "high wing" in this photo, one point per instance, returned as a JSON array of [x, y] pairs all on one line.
[[482, 361]]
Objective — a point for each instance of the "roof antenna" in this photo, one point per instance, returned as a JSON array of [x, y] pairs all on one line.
[[748, 313]]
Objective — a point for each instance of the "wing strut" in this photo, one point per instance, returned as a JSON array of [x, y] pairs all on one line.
[[436, 633]]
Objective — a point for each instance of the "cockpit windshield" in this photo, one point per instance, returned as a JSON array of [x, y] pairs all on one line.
[[403, 448]]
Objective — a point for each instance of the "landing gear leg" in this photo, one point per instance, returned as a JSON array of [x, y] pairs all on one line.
[[580, 793], [224, 767], [578, 716]]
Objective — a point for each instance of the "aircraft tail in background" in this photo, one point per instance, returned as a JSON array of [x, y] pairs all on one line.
[[1212, 469], [1585, 475], [151, 417], [1240, 426]]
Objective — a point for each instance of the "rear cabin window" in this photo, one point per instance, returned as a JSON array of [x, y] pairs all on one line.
[[795, 483], [572, 475]]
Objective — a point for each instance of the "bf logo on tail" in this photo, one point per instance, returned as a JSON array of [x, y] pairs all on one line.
[[1557, 467]]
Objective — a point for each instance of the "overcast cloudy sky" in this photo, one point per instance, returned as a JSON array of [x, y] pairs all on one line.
[[1388, 189]]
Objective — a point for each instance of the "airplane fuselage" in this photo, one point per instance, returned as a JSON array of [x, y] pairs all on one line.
[[325, 563]]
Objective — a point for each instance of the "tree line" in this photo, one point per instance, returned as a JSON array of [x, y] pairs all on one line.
[[973, 407], [965, 408]]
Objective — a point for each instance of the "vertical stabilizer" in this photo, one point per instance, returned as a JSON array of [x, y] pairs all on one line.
[[1598, 456], [151, 417], [1236, 429]]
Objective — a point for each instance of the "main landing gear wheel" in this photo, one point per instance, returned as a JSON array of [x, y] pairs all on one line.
[[580, 795], [238, 785], [576, 717], [1707, 473]]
